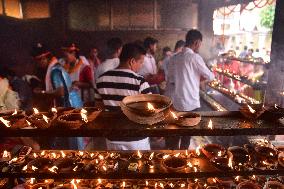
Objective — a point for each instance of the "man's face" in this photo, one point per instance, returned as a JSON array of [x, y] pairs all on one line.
[[196, 46], [42, 62], [94, 52], [153, 48], [136, 64], [69, 56]]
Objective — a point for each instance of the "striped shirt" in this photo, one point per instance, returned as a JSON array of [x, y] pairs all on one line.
[[114, 85]]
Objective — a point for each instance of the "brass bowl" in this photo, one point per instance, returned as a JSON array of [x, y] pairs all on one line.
[[188, 119], [248, 185], [174, 164], [70, 121], [212, 150]]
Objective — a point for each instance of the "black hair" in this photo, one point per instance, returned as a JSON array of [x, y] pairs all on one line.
[[166, 49], [245, 47], [179, 44], [149, 41], [71, 47], [5, 72], [131, 50], [114, 44], [192, 36]]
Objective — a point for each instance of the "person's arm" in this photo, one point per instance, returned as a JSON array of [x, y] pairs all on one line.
[[58, 84], [202, 69], [86, 78]]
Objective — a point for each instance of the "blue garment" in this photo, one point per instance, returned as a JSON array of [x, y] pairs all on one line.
[[60, 78]]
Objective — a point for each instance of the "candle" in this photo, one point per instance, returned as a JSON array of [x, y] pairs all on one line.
[[210, 124]]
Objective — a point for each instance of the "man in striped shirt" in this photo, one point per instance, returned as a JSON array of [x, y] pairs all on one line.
[[112, 86]]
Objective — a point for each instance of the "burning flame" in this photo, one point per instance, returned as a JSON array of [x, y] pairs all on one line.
[[15, 112], [146, 183], [13, 160], [195, 169], [62, 154], [251, 109], [29, 123], [166, 156], [5, 154], [84, 115], [172, 185], [195, 180], [123, 184], [104, 168], [182, 185], [101, 157], [253, 177], [5, 122], [36, 111], [189, 164], [230, 163], [197, 151], [150, 107], [75, 168], [186, 152], [73, 184], [174, 115], [54, 110], [92, 155], [81, 153], [45, 118], [210, 124], [99, 181], [34, 168], [161, 185], [53, 169], [32, 181], [237, 178], [276, 106], [25, 168], [214, 180], [53, 155], [97, 161], [156, 184], [271, 154], [176, 155], [220, 153], [139, 154], [42, 153], [35, 156], [151, 156]]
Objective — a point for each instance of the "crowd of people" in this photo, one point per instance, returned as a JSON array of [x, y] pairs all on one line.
[[129, 69]]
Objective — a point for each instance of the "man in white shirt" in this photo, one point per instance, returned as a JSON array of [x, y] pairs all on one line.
[[189, 69], [149, 69], [114, 46]]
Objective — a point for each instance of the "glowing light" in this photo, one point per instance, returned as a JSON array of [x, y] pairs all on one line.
[[176, 155], [189, 164], [214, 180], [25, 168], [195, 180], [104, 168], [15, 112], [54, 110], [75, 168], [5, 122], [172, 185], [220, 153], [123, 184], [32, 181], [84, 115], [174, 115], [151, 156], [42, 153], [45, 118], [139, 154], [166, 156], [99, 181], [230, 163], [271, 154], [195, 169], [146, 183], [251, 109], [53, 155], [92, 155], [62, 154], [161, 185], [36, 111], [34, 168], [6, 154], [253, 177], [81, 153], [210, 124], [101, 157], [29, 123], [197, 151], [15, 159], [150, 107], [182, 185], [156, 184], [53, 169], [35, 156], [73, 184]]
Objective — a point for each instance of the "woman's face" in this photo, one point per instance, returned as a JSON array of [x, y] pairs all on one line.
[[69, 56]]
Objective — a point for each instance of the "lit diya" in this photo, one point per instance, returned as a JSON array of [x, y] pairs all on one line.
[[240, 156], [146, 109], [174, 164], [38, 165], [91, 112], [72, 120], [213, 150], [188, 119], [5, 156], [15, 121], [252, 111], [64, 164], [41, 120], [222, 163]]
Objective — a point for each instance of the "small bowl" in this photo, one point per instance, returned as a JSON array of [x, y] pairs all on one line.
[[174, 164], [38, 121], [247, 112], [248, 185], [92, 112], [221, 163], [239, 154], [188, 119], [212, 150], [265, 152], [70, 121]]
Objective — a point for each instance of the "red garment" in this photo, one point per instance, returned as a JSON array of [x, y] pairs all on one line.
[[86, 75], [156, 79]]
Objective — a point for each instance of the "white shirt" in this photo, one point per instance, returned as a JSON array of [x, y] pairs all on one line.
[[188, 68], [149, 66], [108, 64]]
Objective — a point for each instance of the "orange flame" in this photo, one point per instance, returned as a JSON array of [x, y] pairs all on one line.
[[220, 153], [15, 112], [151, 156], [197, 151], [73, 184], [29, 123], [189, 164], [176, 155], [210, 124], [42, 153], [5, 122], [251, 109], [150, 107], [99, 181], [54, 110], [166, 156], [101, 157], [35, 156], [123, 184], [146, 183], [36, 111], [32, 181], [53, 169], [45, 118], [139, 154], [84, 115], [230, 163], [6, 154], [174, 115], [34, 168], [62, 154], [25, 168]]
